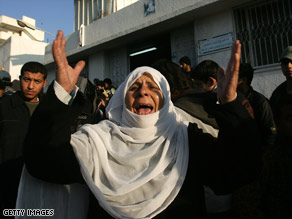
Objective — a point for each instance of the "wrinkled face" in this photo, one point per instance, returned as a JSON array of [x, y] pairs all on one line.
[[31, 85], [144, 96], [286, 65]]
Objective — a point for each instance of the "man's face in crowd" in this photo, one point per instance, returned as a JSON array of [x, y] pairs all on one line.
[[31, 85], [286, 65]]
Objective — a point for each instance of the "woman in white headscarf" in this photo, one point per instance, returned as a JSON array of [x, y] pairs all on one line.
[[144, 161]]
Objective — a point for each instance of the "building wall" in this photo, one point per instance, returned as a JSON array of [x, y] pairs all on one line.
[[211, 26], [87, 11], [265, 79], [183, 44], [123, 23], [5, 54], [104, 42], [118, 66], [124, 3], [97, 66], [17, 51]]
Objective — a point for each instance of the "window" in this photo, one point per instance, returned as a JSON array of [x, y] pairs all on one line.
[[264, 29]]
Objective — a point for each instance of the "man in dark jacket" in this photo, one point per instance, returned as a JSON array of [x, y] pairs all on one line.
[[15, 113], [261, 107], [284, 89]]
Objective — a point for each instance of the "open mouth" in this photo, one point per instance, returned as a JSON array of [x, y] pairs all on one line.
[[144, 109]]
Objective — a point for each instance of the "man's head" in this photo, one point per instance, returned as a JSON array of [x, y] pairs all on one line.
[[107, 83], [178, 81], [286, 62], [185, 64], [205, 75], [99, 84], [33, 78], [5, 78], [245, 77]]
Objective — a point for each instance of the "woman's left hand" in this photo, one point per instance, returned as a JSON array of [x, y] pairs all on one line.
[[228, 80]]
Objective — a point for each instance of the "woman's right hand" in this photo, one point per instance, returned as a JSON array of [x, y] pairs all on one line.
[[66, 76]]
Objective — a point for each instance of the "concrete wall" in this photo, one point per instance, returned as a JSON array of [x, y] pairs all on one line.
[[265, 79], [97, 66], [212, 26], [118, 66], [5, 54], [183, 44]]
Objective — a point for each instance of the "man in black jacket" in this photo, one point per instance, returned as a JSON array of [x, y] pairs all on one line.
[[263, 114], [284, 89], [15, 113]]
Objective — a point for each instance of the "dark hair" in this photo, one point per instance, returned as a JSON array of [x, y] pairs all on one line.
[[107, 80], [98, 82], [204, 70], [177, 80], [34, 67], [185, 60], [246, 71]]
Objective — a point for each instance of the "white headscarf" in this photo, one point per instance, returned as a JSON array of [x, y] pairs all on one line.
[[134, 164]]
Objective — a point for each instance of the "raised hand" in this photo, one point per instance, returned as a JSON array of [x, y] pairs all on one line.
[[228, 80], [66, 76]]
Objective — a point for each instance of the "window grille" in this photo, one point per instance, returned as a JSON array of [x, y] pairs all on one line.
[[264, 29]]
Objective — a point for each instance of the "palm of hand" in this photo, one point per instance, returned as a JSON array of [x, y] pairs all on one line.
[[66, 76], [228, 80]]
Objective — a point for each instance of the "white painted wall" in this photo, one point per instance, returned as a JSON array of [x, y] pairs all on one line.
[[124, 3], [9, 27], [17, 51]]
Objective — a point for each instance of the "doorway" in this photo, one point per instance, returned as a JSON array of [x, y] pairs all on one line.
[[146, 52]]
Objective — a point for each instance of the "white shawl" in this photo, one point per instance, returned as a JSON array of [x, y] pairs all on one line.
[[134, 164]]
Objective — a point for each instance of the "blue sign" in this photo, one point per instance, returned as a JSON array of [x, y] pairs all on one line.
[[215, 43]]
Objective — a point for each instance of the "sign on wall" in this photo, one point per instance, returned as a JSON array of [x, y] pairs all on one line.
[[149, 7], [214, 44]]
